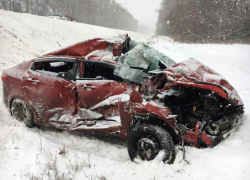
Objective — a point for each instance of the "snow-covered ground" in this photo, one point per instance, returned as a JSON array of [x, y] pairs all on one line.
[[34, 153]]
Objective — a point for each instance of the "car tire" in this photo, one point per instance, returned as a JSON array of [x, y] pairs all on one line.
[[145, 141], [21, 112]]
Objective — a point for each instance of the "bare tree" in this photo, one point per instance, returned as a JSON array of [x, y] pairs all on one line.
[[106, 13], [205, 21]]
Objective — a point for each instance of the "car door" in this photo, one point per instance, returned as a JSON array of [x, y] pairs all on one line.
[[50, 89], [99, 92]]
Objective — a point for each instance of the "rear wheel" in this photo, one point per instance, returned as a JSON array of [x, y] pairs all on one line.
[[22, 113], [145, 141]]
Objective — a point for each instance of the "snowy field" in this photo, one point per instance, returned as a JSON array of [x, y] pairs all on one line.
[[34, 153]]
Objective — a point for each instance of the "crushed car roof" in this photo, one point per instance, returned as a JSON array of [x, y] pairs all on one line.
[[110, 48], [134, 60], [98, 49]]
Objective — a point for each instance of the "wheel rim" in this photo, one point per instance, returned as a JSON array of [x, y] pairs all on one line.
[[147, 147], [19, 111]]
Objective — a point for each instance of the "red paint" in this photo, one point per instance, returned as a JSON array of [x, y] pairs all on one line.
[[192, 136], [4, 77], [45, 93], [94, 49], [78, 106], [195, 74]]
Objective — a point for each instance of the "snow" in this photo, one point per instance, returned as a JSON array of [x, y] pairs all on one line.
[[168, 92], [208, 77], [65, 118], [88, 114], [116, 118], [25, 152], [105, 55], [112, 100], [97, 125]]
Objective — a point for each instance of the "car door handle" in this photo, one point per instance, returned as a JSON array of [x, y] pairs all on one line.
[[85, 86], [34, 81]]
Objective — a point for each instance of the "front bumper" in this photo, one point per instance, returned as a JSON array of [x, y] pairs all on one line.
[[200, 136]]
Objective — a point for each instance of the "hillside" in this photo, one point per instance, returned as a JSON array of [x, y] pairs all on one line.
[[33, 153]]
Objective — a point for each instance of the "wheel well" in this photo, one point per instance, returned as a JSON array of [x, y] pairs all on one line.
[[10, 104], [22, 112], [139, 119], [146, 140]]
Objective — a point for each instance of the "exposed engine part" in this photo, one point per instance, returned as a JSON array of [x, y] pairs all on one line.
[[205, 119], [192, 105], [212, 128]]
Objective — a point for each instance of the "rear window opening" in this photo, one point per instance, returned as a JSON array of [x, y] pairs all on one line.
[[60, 69], [56, 67]]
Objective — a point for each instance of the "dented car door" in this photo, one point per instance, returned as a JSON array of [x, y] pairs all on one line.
[[52, 96], [98, 99], [99, 93]]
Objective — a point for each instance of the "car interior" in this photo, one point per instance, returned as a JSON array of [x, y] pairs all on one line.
[[60, 69], [94, 71], [56, 66], [100, 71]]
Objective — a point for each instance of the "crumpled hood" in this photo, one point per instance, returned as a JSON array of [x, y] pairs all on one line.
[[192, 71]]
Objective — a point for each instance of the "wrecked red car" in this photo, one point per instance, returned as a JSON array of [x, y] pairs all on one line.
[[118, 86]]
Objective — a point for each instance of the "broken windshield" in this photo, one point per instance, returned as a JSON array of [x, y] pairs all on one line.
[[135, 64]]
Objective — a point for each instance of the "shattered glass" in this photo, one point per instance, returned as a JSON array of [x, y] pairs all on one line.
[[134, 65]]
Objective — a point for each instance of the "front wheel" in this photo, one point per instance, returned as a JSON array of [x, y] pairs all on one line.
[[145, 141], [22, 113]]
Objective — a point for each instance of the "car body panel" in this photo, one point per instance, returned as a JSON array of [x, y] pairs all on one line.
[[51, 97], [193, 73], [101, 96], [14, 88], [98, 49]]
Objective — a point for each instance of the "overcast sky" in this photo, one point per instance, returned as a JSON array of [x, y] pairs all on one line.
[[143, 10]]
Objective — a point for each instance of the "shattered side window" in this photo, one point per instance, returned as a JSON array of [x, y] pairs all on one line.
[[134, 65], [62, 69], [98, 71], [55, 67]]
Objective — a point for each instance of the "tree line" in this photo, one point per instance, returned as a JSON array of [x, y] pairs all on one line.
[[205, 20], [107, 13]]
